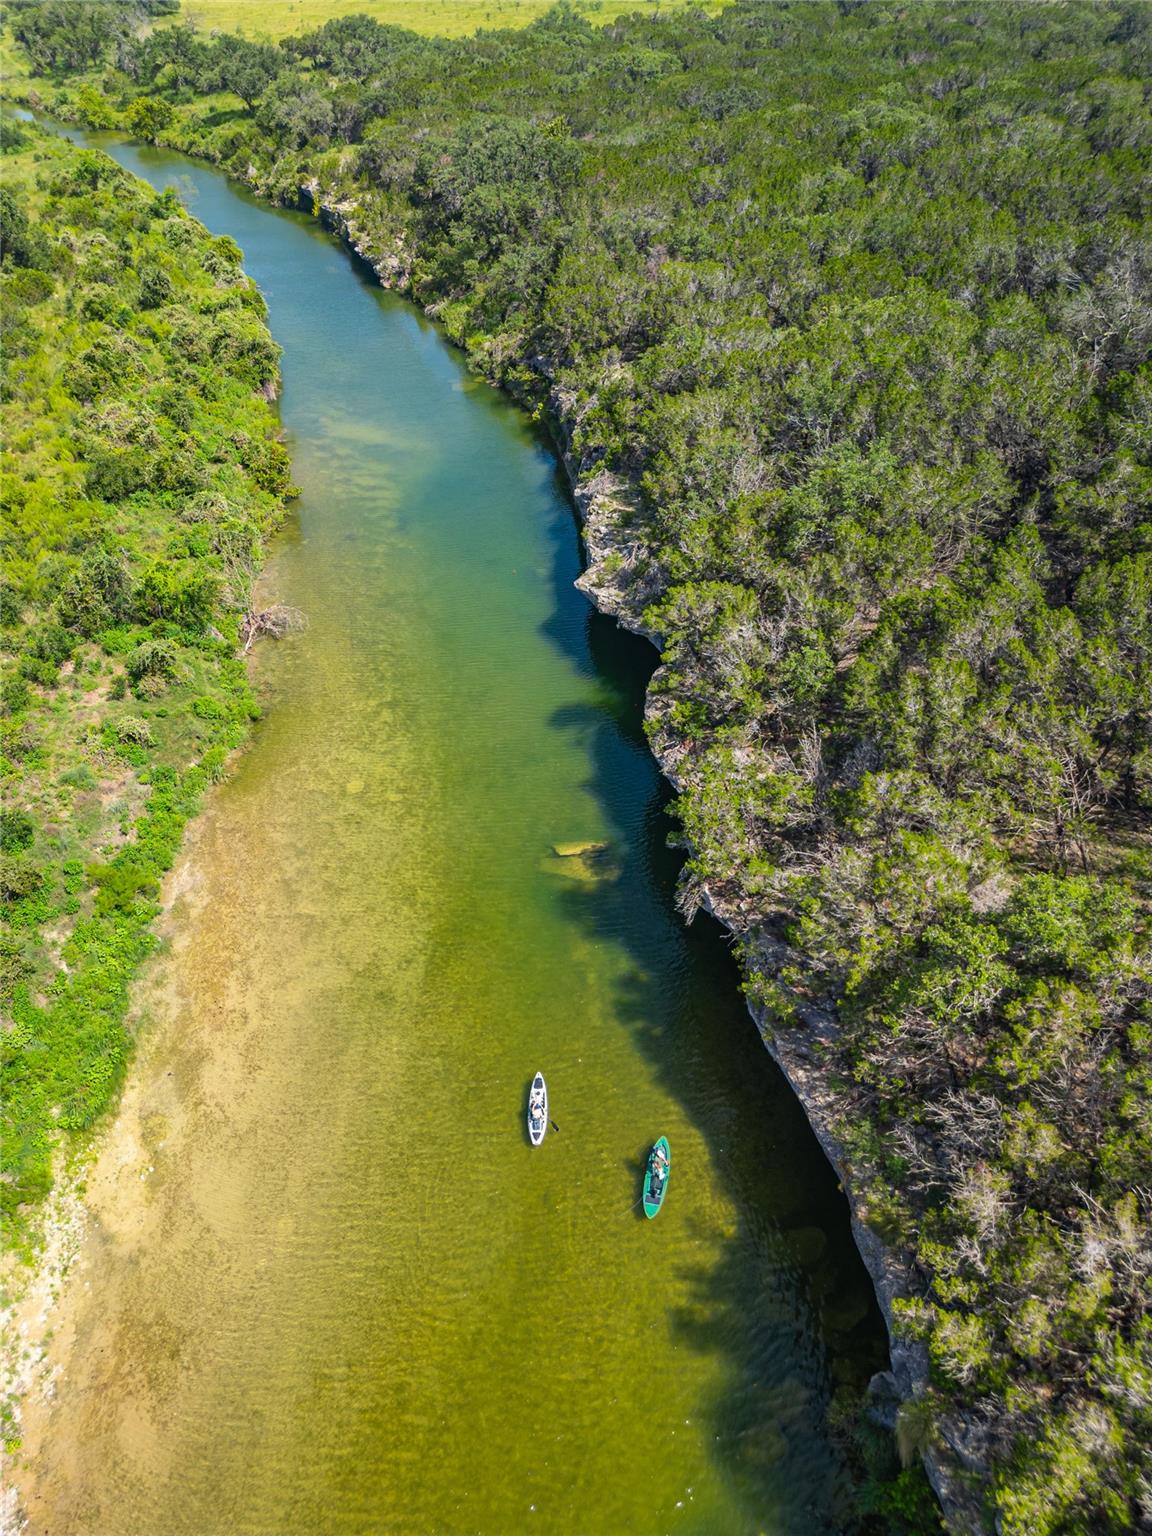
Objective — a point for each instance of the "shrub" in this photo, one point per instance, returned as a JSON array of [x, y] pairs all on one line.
[[96, 595], [101, 303], [17, 831], [130, 730], [153, 658], [21, 242], [114, 474], [29, 286], [15, 967], [51, 643], [80, 777], [155, 287], [93, 109], [18, 878], [119, 886], [15, 695], [187, 595], [214, 763], [145, 118], [12, 136]]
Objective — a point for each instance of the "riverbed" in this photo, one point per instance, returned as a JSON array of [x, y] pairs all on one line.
[[328, 1285]]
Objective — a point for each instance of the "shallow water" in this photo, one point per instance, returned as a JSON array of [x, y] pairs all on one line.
[[330, 1287]]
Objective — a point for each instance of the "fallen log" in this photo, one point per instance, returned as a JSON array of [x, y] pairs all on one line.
[[275, 622]]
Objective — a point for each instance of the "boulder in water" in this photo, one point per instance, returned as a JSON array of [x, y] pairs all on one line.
[[572, 869], [806, 1246], [578, 850]]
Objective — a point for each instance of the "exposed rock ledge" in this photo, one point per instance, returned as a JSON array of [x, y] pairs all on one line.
[[618, 580], [958, 1467]]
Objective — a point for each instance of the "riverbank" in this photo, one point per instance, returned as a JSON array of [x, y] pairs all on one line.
[[100, 1194], [956, 1465], [139, 496], [144, 476]]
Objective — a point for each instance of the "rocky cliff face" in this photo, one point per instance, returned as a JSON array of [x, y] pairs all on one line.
[[615, 580]]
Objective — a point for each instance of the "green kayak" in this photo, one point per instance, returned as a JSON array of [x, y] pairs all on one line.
[[656, 1177]]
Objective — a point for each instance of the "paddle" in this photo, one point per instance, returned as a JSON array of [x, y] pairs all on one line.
[[554, 1126]]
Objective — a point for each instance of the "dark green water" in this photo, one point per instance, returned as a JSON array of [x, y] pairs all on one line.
[[331, 1288]]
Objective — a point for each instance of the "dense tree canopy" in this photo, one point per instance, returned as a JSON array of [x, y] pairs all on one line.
[[60, 36], [846, 310]]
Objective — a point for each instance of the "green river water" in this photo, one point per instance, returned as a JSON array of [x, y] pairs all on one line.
[[330, 1288]]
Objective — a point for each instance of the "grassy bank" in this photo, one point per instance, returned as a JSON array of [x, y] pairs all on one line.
[[142, 476]]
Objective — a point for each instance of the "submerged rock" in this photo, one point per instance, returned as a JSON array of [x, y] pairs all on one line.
[[574, 869], [578, 850], [587, 862], [806, 1246]]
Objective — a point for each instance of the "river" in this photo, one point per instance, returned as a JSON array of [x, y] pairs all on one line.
[[329, 1287]]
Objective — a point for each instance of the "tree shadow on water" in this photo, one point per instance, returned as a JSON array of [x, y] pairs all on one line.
[[781, 1295]]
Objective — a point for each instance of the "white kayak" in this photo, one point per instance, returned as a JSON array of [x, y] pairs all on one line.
[[537, 1110]]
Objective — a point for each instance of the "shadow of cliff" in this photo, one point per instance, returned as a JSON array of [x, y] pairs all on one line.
[[785, 1285]]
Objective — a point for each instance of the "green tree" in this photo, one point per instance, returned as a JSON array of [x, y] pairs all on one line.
[[147, 118]]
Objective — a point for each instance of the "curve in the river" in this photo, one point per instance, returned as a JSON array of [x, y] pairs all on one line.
[[331, 1288]]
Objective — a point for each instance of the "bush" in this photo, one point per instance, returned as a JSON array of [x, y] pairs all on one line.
[[185, 594], [18, 878], [120, 886], [80, 777], [15, 695], [155, 287], [28, 286], [114, 474], [17, 831], [15, 967], [146, 118], [214, 763], [101, 303], [12, 136], [153, 658], [48, 647], [93, 109], [130, 730], [21, 242], [97, 595]]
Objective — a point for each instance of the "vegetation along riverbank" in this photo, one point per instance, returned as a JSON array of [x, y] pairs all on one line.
[[142, 476], [843, 316]]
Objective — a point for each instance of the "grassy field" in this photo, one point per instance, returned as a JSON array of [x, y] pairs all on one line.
[[446, 18]]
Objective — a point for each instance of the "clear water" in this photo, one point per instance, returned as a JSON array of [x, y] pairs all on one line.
[[349, 1297]]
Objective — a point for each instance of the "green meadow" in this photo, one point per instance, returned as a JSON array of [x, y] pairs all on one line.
[[437, 18]]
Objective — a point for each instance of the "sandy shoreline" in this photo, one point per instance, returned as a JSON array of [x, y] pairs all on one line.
[[101, 1196]]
